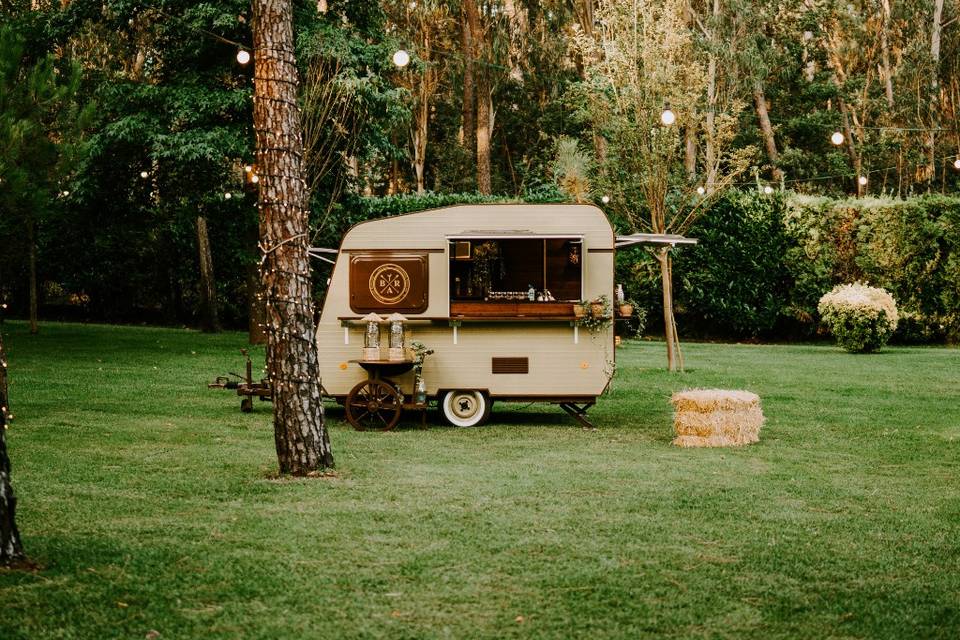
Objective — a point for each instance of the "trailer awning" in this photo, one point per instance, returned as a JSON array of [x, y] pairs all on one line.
[[512, 234], [654, 240]]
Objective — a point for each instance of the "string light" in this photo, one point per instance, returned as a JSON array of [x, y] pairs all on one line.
[[227, 195], [254, 178], [144, 175], [956, 163], [243, 56], [701, 190], [401, 58], [768, 189], [605, 199], [837, 138], [248, 168], [668, 117], [862, 180]]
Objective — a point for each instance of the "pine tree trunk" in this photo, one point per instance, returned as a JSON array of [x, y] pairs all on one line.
[[209, 319], [11, 548], [34, 294], [760, 100], [710, 151], [301, 437]]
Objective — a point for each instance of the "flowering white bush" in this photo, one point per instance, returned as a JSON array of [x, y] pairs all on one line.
[[861, 318]]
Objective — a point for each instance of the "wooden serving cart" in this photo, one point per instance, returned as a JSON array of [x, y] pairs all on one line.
[[375, 404]]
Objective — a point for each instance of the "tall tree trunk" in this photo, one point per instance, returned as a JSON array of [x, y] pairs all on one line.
[[885, 53], [11, 547], [710, 151], [483, 132], [34, 294], [934, 91], [468, 53], [690, 152], [303, 445], [851, 146], [209, 319], [760, 100], [666, 275]]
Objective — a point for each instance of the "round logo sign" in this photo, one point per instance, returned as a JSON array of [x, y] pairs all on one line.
[[389, 283]]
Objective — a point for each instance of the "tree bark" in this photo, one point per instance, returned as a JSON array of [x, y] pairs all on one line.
[[885, 53], [466, 44], [934, 91], [666, 275], [483, 133], [34, 294], [760, 100], [710, 151], [11, 547], [851, 146], [303, 445], [209, 318], [690, 152]]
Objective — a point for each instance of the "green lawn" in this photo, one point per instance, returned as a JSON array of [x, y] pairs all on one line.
[[150, 503]]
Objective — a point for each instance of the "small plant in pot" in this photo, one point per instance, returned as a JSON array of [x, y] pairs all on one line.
[[626, 308], [600, 307], [580, 309], [599, 316]]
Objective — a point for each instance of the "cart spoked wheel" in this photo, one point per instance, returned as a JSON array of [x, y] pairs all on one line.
[[464, 408], [373, 405]]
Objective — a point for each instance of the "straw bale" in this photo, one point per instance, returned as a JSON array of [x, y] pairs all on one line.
[[716, 418]]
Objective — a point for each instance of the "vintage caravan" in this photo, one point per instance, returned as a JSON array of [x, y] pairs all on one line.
[[491, 290]]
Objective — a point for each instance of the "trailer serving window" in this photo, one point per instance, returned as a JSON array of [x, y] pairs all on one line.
[[506, 274]]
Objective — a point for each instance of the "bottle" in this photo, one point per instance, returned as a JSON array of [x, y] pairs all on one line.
[[531, 293], [420, 391], [620, 297]]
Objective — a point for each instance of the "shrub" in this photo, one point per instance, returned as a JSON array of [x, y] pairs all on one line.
[[861, 318]]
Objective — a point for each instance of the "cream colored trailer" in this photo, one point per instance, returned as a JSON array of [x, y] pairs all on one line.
[[488, 345]]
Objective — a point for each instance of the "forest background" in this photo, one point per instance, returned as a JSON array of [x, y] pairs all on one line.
[[128, 193]]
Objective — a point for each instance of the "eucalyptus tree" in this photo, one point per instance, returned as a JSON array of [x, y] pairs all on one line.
[[644, 82]]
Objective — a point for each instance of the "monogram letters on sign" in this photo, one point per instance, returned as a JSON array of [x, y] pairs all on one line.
[[388, 282]]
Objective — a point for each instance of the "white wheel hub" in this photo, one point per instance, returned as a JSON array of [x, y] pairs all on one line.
[[465, 408]]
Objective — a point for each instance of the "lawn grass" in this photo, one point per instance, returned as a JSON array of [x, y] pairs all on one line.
[[151, 504]]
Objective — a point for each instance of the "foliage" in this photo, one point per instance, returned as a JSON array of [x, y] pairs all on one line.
[[861, 318], [599, 314], [571, 169], [734, 281]]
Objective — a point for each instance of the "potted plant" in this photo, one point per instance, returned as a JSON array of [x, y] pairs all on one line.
[[580, 309], [626, 308], [600, 307]]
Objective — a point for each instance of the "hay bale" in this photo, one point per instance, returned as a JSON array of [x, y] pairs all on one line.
[[716, 418]]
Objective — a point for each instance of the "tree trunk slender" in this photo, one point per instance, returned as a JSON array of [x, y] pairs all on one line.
[[885, 53], [769, 141], [11, 547], [690, 152], [710, 151], [851, 147], [666, 275], [483, 133], [466, 43], [34, 294], [209, 318], [301, 436], [934, 92]]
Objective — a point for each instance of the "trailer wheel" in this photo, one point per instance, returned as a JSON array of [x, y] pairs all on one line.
[[465, 408]]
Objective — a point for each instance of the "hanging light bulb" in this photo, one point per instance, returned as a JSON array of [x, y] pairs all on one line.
[[956, 163], [701, 190], [227, 195], [243, 56], [668, 117], [768, 189], [401, 58], [255, 179], [144, 175], [837, 138], [605, 199], [862, 180], [248, 168]]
